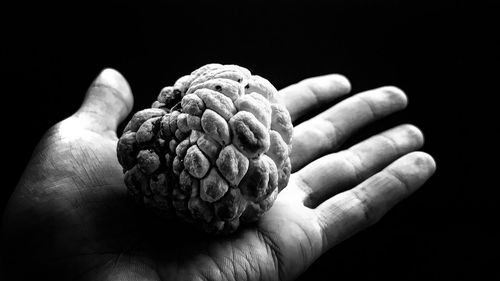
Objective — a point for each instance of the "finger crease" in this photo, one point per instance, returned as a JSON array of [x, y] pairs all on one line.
[[311, 92], [323, 226], [114, 91], [392, 143], [365, 207], [274, 250], [400, 179], [334, 133], [356, 164], [371, 107]]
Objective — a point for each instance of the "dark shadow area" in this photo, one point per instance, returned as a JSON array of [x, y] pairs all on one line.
[[443, 55]]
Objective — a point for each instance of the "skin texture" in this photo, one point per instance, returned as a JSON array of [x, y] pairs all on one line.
[[70, 217]]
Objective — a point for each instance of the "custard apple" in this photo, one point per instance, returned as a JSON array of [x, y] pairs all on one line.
[[212, 150]]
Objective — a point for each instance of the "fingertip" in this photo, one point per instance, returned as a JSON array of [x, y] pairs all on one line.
[[341, 81], [414, 133], [414, 169], [396, 95], [424, 162], [111, 78]]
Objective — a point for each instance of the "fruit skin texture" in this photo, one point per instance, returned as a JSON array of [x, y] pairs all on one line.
[[213, 149]]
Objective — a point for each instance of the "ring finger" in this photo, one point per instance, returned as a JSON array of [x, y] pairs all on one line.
[[325, 132]]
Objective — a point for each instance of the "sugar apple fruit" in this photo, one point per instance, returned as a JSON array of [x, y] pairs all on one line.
[[213, 149]]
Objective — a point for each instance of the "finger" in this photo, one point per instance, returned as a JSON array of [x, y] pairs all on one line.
[[107, 102], [351, 211], [327, 131], [312, 93], [337, 172]]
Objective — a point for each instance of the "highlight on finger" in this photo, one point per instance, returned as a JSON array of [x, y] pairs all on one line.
[[337, 172], [313, 93], [107, 102], [326, 132], [353, 210]]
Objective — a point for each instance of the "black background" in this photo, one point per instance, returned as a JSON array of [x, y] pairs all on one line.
[[441, 53]]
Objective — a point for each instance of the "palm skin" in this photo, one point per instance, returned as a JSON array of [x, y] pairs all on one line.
[[70, 216]]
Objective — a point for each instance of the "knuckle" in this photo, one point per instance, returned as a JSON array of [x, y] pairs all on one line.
[[366, 210], [372, 106], [354, 161], [327, 83], [401, 179], [332, 133]]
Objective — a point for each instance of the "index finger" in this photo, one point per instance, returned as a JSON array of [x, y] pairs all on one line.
[[313, 93]]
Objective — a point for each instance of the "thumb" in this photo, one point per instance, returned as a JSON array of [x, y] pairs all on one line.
[[107, 102]]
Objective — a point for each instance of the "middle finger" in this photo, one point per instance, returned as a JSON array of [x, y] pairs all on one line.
[[336, 172], [327, 131]]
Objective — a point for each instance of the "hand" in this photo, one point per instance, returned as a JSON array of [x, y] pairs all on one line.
[[71, 218]]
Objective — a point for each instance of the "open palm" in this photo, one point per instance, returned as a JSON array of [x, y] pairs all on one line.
[[70, 217]]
